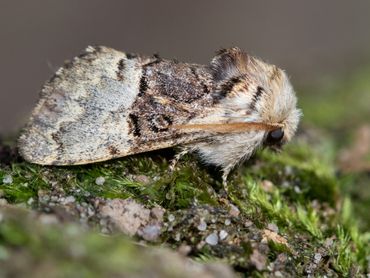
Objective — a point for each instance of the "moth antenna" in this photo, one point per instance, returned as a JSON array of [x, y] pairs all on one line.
[[50, 66]]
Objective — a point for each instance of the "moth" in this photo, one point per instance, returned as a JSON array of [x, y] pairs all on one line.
[[106, 104]]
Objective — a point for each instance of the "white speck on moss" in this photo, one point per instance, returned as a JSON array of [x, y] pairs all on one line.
[[227, 222], [7, 179], [212, 239], [202, 225], [248, 223], [100, 180], [317, 258], [285, 184], [171, 218], [178, 237], [288, 170], [30, 201]]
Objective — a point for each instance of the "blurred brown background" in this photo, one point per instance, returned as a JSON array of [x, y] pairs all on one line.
[[310, 39]]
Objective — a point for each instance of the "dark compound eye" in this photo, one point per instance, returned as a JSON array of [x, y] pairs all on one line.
[[275, 136]]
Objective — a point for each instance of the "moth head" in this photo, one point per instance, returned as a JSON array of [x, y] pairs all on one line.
[[252, 91], [274, 138]]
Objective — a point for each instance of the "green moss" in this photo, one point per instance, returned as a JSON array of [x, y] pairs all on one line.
[[303, 202], [173, 190], [27, 180]]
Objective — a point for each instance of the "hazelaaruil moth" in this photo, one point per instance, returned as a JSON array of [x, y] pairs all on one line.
[[107, 104]]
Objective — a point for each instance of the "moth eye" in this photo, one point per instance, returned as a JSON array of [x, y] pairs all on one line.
[[275, 136]]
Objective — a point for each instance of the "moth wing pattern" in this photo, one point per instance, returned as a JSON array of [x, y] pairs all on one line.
[[107, 104]]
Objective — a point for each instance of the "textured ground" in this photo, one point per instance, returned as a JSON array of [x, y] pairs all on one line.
[[303, 212]]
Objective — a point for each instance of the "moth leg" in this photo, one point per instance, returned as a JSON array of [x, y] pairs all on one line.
[[177, 157], [226, 172]]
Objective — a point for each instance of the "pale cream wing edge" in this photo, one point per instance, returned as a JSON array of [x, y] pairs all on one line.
[[81, 116]]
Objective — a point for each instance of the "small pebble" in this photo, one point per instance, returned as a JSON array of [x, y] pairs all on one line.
[[200, 245], [212, 239], [54, 198], [7, 179], [100, 180], [202, 225], [103, 222], [184, 249], [297, 189], [317, 258], [267, 186], [178, 237], [151, 232], [288, 170], [234, 211], [171, 218], [285, 184], [142, 179], [90, 211], [69, 199], [248, 223], [278, 274], [329, 242], [227, 222], [223, 234], [30, 201], [273, 227]]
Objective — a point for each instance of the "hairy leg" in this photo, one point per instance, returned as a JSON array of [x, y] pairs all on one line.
[[183, 151]]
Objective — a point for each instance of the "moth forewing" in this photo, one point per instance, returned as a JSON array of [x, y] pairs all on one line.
[[76, 120], [107, 104]]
